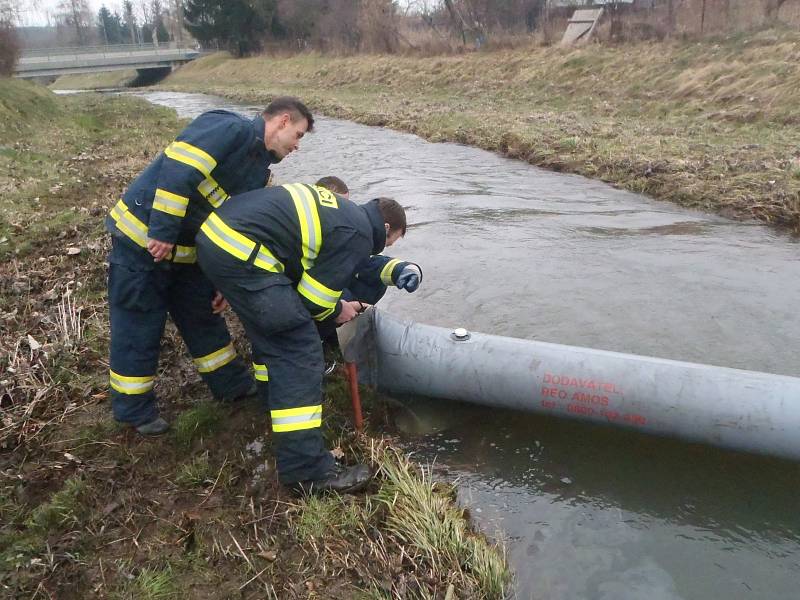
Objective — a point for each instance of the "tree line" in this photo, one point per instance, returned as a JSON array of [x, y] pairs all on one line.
[[350, 26], [246, 26], [113, 28]]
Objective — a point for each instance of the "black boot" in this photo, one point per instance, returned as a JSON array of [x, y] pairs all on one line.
[[344, 480]]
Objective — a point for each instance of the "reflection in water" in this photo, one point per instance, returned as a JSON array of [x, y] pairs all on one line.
[[685, 228], [513, 250], [602, 513]]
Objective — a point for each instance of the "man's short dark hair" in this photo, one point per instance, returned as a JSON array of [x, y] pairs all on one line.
[[334, 184], [293, 106], [393, 214]]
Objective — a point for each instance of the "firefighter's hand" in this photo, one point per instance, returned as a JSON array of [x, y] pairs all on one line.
[[218, 303], [409, 278], [349, 311], [159, 250]]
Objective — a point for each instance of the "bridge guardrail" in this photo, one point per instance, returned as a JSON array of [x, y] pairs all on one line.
[[46, 53]]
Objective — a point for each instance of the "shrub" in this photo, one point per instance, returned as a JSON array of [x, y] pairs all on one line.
[[9, 48]]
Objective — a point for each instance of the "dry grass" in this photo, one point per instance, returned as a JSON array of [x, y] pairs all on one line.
[[95, 81]]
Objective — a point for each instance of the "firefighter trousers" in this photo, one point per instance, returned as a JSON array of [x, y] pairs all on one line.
[[287, 357], [140, 295]]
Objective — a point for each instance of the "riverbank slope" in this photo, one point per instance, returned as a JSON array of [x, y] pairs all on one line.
[[90, 510], [712, 124]]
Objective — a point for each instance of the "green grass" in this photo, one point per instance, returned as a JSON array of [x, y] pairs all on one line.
[[197, 423], [328, 515], [433, 529], [195, 473], [50, 181], [150, 584], [65, 509], [92, 438], [25, 106]]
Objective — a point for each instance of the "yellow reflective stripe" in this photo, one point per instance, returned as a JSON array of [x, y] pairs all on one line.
[[125, 384], [212, 191], [170, 203], [295, 419], [184, 255], [215, 360], [386, 272], [261, 372], [128, 224], [310, 227], [317, 292], [266, 260], [324, 314], [191, 155], [226, 238]]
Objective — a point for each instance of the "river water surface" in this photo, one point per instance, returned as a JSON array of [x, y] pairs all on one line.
[[509, 249]]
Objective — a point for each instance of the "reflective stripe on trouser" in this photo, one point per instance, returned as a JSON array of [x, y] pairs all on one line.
[[284, 338], [216, 359], [295, 419], [140, 297], [261, 373], [131, 385]]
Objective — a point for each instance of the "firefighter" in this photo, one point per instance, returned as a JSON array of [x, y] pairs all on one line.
[[282, 256], [369, 282], [152, 264]]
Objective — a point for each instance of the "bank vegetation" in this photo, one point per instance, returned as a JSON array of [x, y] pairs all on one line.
[[88, 509]]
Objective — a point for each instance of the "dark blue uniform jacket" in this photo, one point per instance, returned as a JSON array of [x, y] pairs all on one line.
[[219, 154]]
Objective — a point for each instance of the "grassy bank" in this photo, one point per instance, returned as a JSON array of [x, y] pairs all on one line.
[[89, 510], [97, 81], [712, 125]]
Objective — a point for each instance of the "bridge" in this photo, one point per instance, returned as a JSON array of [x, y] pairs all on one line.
[[91, 59]]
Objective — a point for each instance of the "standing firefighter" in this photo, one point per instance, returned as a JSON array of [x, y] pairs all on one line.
[[281, 256], [153, 268]]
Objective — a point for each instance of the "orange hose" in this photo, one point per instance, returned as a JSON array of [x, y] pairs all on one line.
[[352, 377]]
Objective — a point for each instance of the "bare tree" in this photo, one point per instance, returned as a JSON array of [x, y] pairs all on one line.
[[75, 16], [671, 18], [10, 11], [177, 33], [771, 8], [457, 19], [377, 22], [130, 19], [340, 25]]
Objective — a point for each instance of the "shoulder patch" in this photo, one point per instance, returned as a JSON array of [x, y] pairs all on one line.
[[326, 197]]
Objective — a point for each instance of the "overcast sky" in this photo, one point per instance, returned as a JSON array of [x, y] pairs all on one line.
[[34, 12]]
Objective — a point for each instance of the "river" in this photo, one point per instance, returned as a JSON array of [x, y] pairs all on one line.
[[510, 249]]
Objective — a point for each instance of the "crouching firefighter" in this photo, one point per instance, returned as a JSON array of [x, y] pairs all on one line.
[[281, 256], [153, 268], [370, 280]]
